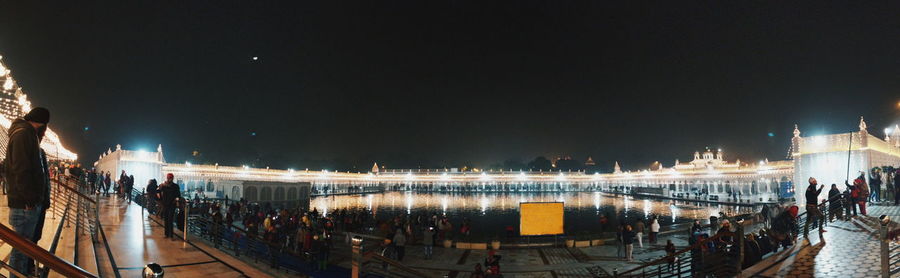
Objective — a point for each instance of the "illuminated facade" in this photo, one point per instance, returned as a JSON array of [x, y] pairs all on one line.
[[835, 158], [708, 177], [14, 104], [718, 182]]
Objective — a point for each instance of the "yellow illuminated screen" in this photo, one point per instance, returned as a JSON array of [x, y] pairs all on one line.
[[541, 218]]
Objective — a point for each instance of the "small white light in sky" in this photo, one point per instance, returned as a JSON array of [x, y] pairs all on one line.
[[255, 58]]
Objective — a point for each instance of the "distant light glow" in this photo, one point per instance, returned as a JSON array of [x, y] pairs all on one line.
[[819, 141], [561, 177], [771, 134]]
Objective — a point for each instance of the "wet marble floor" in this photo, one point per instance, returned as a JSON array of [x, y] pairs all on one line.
[[136, 241]]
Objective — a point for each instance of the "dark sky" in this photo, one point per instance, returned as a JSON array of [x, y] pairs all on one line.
[[441, 83]]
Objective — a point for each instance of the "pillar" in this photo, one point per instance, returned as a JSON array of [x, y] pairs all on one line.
[[356, 260]]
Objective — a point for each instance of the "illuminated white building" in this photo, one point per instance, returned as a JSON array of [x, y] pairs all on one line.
[[14, 103], [708, 177], [834, 158]]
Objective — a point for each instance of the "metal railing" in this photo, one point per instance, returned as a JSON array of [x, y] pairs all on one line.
[[86, 213], [710, 256], [697, 261], [889, 248], [71, 206], [32, 250], [281, 255]]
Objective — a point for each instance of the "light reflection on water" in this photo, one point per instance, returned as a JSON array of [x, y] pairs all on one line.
[[491, 213]]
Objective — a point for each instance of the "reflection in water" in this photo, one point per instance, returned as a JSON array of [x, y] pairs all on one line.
[[491, 213]]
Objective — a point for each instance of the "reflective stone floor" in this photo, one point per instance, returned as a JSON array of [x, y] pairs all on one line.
[[845, 250], [136, 241]]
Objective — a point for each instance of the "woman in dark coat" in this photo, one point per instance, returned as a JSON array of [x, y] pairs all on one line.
[[835, 203], [897, 187]]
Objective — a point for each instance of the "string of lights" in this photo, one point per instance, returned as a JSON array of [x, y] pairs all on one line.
[[14, 103]]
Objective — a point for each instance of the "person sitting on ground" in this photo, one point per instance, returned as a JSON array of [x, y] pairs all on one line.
[[726, 228], [670, 252], [492, 263], [478, 273]]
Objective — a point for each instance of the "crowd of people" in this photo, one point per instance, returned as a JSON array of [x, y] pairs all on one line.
[[310, 233], [629, 234]]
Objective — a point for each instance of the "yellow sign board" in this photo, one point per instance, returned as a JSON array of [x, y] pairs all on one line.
[[538, 219]]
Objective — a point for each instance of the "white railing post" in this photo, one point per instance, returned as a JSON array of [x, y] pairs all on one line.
[[885, 248], [357, 257], [96, 215], [186, 212]]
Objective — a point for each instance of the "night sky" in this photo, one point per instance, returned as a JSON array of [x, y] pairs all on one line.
[[446, 83]]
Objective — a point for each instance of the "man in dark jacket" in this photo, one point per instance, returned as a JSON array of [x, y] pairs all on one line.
[[897, 187], [875, 186], [92, 179], [151, 197], [28, 180], [835, 203], [812, 206], [129, 185], [628, 241], [169, 193]]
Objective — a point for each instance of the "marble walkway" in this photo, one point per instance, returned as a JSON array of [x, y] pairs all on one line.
[[136, 241], [845, 250]]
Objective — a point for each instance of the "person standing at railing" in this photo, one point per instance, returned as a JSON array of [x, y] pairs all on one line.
[[639, 232], [75, 172], [151, 196], [39, 228], [812, 206], [399, 241], [27, 177], [654, 230], [92, 179], [862, 193], [620, 247], [875, 183], [428, 241], [897, 187], [129, 185], [835, 203], [628, 241], [169, 194], [850, 194], [107, 182]]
